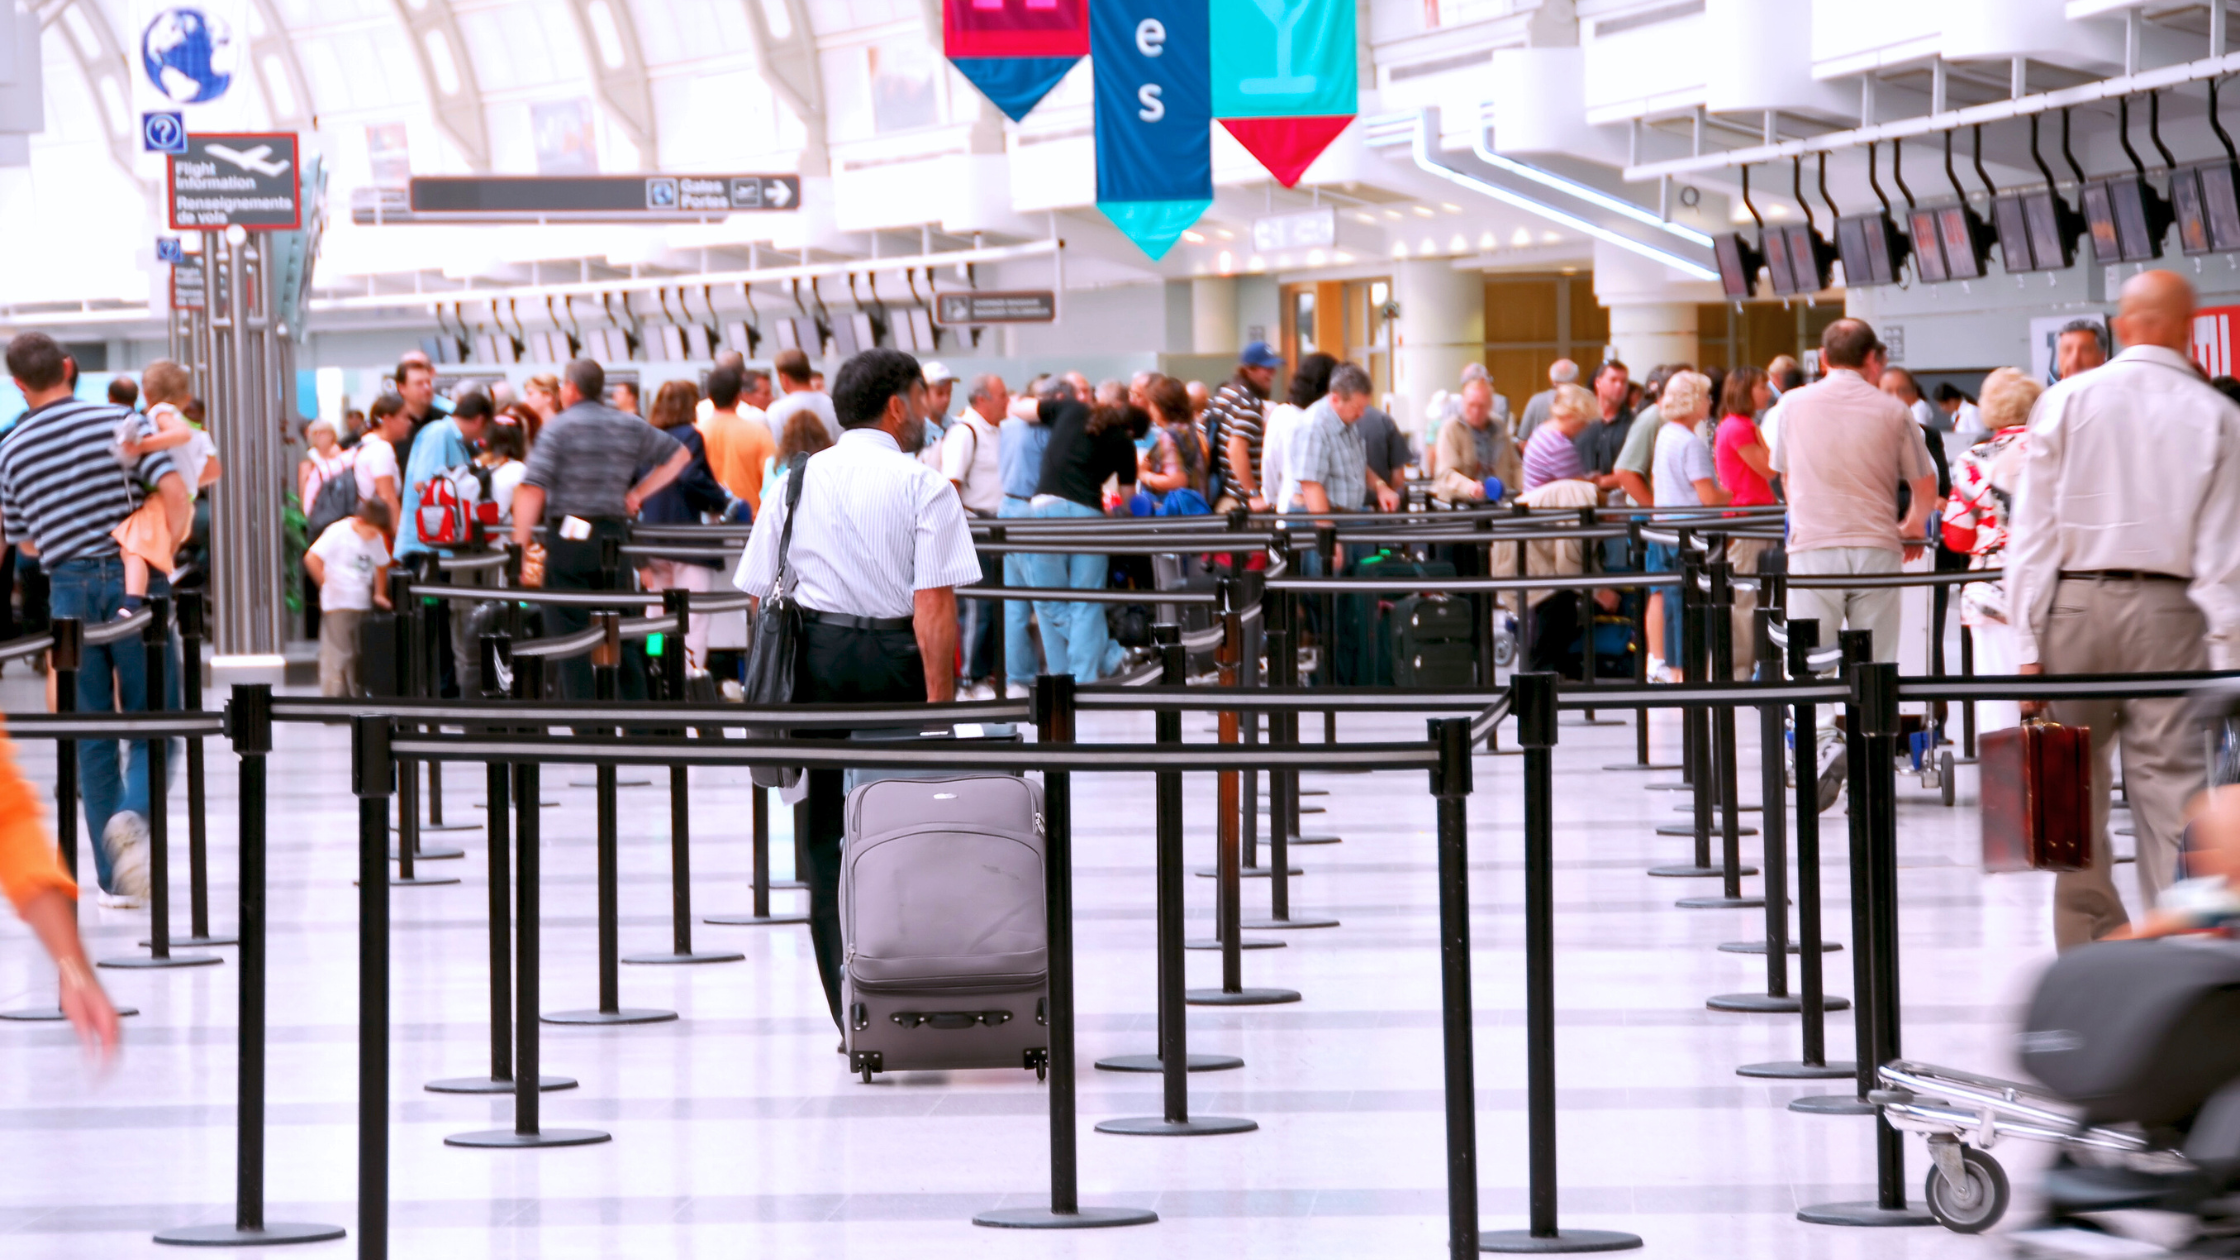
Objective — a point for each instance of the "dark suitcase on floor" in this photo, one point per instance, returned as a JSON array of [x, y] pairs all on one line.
[[1365, 635], [943, 914], [1434, 665], [1431, 642], [2037, 797]]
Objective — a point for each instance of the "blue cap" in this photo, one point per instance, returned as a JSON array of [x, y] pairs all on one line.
[[1258, 354], [1494, 489]]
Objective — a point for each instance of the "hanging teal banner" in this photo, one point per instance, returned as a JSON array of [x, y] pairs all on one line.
[[1284, 80], [1154, 119]]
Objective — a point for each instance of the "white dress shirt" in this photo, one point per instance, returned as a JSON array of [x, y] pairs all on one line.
[[2133, 466], [971, 456], [1277, 485], [876, 527]]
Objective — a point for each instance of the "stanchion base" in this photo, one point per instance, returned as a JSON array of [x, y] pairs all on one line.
[[427, 827], [1864, 1214], [1084, 1218], [1642, 765], [53, 1014], [1319, 791], [1159, 1126], [275, 1233], [1692, 871], [627, 1015], [1674, 786], [1719, 903], [750, 920], [1740, 809], [1304, 809], [492, 1085], [619, 782], [507, 1139], [1210, 942], [196, 942], [1767, 1004], [134, 962], [1759, 947], [1317, 838], [1799, 1070], [1296, 921], [696, 956], [1594, 721], [426, 854], [1523, 1242], [1246, 997], [1152, 1063], [1833, 1104], [1249, 872], [546, 804], [1688, 829], [417, 881]]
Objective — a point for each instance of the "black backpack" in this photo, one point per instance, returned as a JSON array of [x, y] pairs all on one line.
[[337, 500]]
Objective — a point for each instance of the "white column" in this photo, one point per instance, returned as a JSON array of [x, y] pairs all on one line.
[[1442, 326], [1213, 316], [1648, 333]]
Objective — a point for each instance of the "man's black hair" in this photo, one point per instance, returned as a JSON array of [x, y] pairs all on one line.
[[36, 359], [864, 384], [471, 404], [723, 387]]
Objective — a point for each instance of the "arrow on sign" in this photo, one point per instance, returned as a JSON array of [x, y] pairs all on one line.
[[779, 193]]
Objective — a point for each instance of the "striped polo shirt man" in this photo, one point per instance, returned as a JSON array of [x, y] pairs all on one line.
[[61, 486]]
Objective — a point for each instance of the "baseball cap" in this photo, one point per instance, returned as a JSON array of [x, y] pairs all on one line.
[[936, 372], [1257, 354]]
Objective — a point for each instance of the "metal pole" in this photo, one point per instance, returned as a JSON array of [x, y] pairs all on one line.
[[1858, 649], [1717, 615], [1450, 783], [154, 642], [190, 687], [678, 603], [374, 776]]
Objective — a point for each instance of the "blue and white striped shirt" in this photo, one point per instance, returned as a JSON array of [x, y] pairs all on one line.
[[61, 486]]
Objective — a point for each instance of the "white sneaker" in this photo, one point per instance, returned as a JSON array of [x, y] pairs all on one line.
[[126, 839], [733, 692], [111, 901], [1835, 765]]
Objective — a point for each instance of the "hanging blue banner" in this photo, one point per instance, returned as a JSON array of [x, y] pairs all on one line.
[[1154, 117], [1015, 51]]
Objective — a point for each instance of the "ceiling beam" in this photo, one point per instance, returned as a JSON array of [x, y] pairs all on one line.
[[447, 71], [618, 73]]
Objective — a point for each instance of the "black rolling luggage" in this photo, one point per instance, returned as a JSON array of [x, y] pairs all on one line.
[[1431, 642]]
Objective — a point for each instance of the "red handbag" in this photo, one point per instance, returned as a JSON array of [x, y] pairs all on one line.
[[2037, 797]]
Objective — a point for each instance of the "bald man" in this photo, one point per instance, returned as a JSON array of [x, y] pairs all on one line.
[[2124, 556]]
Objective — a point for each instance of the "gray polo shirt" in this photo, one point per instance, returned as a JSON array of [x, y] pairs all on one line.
[[587, 457]]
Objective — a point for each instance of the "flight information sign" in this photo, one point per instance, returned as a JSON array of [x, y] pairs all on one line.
[[235, 179]]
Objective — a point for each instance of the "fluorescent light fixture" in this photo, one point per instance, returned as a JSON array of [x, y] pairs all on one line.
[[1584, 192]]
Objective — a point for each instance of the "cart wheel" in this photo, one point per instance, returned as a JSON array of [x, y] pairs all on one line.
[[1975, 1207], [1944, 775]]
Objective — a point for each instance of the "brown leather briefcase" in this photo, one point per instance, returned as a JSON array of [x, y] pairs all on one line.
[[2037, 797]]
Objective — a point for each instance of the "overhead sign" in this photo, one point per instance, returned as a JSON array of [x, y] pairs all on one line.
[[190, 284], [1014, 51], [1284, 78], [226, 179], [169, 249], [586, 198], [189, 54], [1152, 116], [1307, 229], [163, 131], [1022, 306]]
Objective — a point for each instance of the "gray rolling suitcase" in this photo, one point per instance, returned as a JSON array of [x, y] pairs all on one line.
[[943, 908]]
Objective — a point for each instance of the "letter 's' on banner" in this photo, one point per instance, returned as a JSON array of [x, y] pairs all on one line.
[[1154, 119], [1284, 79], [1015, 51]]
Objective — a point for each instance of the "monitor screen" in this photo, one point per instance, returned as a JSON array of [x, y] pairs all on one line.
[[2100, 215], [1961, 260], [2193, 221], [844, 343], [2014, 234], [1776, 248], [1735, 279], [1928, 260], [2132, 231], [2049, 244], [1881, 263], [2220, 204], [1851, 247], [1804, 260]]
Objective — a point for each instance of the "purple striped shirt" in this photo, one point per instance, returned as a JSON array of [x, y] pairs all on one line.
[[1550, 456]]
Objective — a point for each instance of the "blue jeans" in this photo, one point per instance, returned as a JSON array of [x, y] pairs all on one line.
[[1074, 636], [1019, 665], [1663, 559], [113, 677]]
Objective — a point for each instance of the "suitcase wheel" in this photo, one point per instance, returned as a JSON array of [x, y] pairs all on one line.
[[866, 1062], [1039, 1060]]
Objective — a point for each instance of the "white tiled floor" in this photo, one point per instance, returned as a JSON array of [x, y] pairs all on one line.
[[738, 1132]]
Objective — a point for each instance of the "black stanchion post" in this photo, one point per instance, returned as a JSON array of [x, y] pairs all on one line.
[[1326, 671], [678, 603], [1812, 1001], [249, 724], [412, 658], [189, 604], [997, 632], [1054, 716], [760, 915], [1482, 606], [155, 641], [1717, 614], [1967, 707], [1450, 785], [528, 1058], [1533, 700], [1858, 649], [1173, 1060], [1283, 797], [373, 778], [606, 668], [1695, 734], [1874, 809], [1637, 557]]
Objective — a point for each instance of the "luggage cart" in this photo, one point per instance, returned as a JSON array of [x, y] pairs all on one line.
[[1963, 1115], [1929, 757]]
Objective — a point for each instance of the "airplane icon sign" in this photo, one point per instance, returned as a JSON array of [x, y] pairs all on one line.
[[258, 159]]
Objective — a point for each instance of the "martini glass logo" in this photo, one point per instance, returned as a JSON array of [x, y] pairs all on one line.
[[1284, 15]]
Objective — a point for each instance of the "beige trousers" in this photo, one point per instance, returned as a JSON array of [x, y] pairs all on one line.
[[1742, 556], [2118, 627], [338, 651]]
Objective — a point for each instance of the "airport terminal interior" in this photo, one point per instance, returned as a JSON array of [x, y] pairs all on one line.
[[1417, 627]]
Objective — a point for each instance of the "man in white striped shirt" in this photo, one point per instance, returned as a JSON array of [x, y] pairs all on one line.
[[62, 490], [879, 546]]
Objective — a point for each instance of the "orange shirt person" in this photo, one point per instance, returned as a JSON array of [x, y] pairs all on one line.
[[738, 445], [44, 896]]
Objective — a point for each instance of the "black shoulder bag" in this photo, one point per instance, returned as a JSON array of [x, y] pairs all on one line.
[[777, 638]]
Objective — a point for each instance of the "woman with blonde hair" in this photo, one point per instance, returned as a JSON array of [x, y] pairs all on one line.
[[1984, 480]]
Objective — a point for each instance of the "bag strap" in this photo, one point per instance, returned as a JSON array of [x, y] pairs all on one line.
[[797, 471]]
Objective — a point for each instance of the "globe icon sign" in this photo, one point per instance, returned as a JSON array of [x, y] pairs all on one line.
[[188, 55]]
